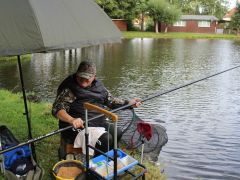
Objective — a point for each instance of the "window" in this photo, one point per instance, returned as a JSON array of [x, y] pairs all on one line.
[[204, 24], [180, 23]]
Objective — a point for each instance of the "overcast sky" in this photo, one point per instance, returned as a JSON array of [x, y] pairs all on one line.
[[232, 3]]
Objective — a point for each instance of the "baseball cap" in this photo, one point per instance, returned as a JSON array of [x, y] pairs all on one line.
[[86, 69]]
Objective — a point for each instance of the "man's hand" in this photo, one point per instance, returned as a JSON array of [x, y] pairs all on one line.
[[135, 102], [65, 117], [77, 123]]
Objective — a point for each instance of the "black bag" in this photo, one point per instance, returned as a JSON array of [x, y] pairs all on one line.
[[7, 138], [19, 163]]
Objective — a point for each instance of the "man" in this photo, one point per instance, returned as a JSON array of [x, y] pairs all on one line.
[[73, 92]]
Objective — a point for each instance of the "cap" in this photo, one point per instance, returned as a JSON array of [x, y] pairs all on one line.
[[86, 69]]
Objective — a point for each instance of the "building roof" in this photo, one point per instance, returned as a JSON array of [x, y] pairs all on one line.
[[199, 17], [229, 14]]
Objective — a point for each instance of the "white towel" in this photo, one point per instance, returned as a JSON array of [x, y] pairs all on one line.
[[94, 135]]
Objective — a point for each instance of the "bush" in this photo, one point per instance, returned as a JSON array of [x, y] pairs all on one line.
[[150, 25], [131, 27]]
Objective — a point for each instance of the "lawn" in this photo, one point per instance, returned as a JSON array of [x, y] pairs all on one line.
[[137, 34], [11, 115], [9, 58]]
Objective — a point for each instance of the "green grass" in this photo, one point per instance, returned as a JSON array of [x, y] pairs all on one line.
[[135, 34], [11, 115], [12, 58], [42, 122]]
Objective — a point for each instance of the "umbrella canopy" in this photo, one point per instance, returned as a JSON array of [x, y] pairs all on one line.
[[30, 26]]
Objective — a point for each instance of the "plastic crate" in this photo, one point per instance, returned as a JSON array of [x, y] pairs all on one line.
[[104, 166]]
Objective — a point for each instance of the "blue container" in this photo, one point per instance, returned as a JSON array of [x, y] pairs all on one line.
[[104, 166]]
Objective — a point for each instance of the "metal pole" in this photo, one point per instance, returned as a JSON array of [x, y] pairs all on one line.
[[25, 106], [86, 143], [142, 150], [115, 150], [2, 167]]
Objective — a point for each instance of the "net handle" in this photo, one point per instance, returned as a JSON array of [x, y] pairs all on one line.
[[109, 114]]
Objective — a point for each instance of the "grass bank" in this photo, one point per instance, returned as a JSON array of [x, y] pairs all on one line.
[[11, 58], [135, 34], [11, 115], [42, 122]]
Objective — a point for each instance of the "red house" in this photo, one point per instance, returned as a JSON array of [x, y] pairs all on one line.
[[229, 14], [121, 24], [192, 23]]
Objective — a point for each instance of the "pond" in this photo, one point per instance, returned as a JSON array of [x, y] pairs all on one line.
[[202, 120]]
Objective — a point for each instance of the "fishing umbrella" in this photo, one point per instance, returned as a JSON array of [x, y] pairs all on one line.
[[31, 26]]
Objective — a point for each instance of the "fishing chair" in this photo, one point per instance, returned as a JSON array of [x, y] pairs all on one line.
[[66, 148]]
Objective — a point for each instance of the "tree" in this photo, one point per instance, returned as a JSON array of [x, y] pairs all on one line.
[[214, 7], [123, 9], [140, 11], [163, 12], [235, 21], [205, 7], [172, 15], [111, 8]]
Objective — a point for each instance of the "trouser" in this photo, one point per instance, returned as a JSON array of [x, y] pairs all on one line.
[[107, 140]]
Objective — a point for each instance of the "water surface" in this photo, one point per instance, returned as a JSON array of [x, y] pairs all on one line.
[[202, 120]]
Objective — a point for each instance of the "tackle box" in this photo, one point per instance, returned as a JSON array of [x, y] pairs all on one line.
[[104, 166]]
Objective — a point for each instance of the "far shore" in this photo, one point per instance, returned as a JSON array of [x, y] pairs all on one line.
[[178, 35], [169, 35]]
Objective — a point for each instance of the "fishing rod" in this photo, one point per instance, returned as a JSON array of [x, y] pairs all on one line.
[[117, 109]]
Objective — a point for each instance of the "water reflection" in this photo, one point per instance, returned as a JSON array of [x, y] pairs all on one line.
[[202, 120]]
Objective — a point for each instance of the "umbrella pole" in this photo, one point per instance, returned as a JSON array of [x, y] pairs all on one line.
[[25, 106]]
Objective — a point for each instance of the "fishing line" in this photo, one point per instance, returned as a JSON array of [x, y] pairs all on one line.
[[117, 109], [185, 85], [168, 91]]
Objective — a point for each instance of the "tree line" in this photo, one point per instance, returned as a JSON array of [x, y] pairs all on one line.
[[235, 22], [162, 11]]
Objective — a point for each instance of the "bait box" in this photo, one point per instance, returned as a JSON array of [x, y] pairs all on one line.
[[104, 166]]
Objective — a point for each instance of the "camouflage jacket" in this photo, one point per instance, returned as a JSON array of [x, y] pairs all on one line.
[[66, 97]]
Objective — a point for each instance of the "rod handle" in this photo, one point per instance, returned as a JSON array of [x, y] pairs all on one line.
[[109, 114]]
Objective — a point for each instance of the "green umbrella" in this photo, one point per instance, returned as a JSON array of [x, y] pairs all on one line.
[[31, 26]]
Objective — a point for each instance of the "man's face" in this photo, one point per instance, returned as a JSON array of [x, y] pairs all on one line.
[[83, 82]]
